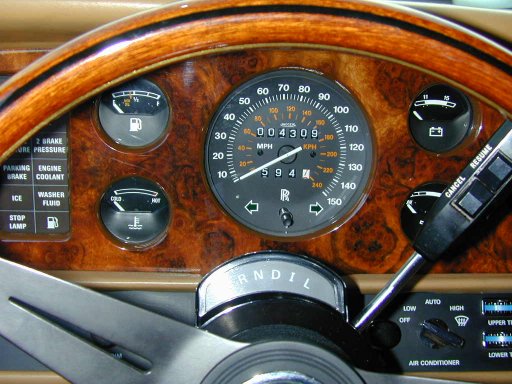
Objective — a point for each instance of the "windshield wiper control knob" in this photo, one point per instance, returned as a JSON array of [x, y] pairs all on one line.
[[484, 183]]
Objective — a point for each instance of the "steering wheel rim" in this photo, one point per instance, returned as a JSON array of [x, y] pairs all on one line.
[[107, 56]]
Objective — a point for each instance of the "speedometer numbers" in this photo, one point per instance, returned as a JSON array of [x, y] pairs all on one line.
[[289, 154]]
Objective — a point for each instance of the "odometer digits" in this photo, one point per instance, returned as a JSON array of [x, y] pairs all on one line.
[[289, 154]]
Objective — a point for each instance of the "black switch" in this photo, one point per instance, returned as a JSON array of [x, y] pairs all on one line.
[[475, 198], [435, 334], [496, 173]]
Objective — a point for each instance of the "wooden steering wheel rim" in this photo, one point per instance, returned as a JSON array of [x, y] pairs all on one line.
[[87, 65]]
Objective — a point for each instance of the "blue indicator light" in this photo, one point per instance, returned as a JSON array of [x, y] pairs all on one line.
[[498, 339], [498, 308]]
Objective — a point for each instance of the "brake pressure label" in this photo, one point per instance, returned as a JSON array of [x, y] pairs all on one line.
[[34, 186]]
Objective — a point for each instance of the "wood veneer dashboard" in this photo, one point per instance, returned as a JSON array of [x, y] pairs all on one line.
[[214, 56], [200, 235]]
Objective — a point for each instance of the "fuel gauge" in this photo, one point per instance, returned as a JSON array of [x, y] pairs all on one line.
[[440, 118], [135, 114], [135, 211]]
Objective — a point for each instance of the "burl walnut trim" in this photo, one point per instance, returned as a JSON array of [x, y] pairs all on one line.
[[383, 54]]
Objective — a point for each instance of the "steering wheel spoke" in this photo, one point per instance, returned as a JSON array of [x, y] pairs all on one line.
[[89, 337]]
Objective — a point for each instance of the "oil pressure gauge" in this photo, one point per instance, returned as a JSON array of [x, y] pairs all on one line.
[[440, 118], [135, 114], [135, 211]]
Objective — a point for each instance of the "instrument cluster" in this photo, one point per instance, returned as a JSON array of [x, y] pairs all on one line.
[[334, 156], [289, 153]]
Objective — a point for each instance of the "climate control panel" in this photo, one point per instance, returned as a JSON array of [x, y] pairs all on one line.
[[453, 332]]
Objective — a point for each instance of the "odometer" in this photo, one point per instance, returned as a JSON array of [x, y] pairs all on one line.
[[289, 154]]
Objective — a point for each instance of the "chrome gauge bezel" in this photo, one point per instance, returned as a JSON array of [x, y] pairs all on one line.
[[136, 131], [465, 129], [277, 90]]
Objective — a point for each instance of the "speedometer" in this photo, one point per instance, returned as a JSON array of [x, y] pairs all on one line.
[[289, 154]]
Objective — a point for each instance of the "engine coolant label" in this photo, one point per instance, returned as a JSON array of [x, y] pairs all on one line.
[[34, 186]]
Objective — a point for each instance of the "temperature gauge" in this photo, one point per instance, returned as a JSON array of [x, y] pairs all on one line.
[[135, 114], [417, 205], [135, 211], [440, 118]]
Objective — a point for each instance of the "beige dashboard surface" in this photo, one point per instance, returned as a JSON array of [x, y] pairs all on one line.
[[45, 24]]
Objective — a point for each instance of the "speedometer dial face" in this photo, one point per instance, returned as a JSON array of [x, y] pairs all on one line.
[[289, 154]]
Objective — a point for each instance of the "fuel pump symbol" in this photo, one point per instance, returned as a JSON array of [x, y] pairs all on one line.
[[52, 222]]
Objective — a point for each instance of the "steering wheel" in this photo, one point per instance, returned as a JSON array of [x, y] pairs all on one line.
[[162, 349]]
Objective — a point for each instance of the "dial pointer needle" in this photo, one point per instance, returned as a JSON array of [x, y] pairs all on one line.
[[270, 163], [119, 206]]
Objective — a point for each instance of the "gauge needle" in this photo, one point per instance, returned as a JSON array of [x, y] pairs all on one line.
[[417, 115], [116, 107], [270, 163], [119, 206], [411, 208]]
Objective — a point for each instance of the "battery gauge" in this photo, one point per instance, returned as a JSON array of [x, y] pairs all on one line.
[[135, 114], [440, 118]]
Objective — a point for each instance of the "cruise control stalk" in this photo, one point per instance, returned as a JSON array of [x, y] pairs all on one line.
[[485, 182]]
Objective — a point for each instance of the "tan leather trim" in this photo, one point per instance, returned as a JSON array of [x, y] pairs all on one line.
[[473, 377], [146, 281], [46, 24], [49, 23], [447, 283], [493, 21], [31, 378], [481, 377]]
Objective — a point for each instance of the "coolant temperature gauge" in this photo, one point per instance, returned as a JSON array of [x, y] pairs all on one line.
[[135, 211], [440, 118], [417, 205]]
